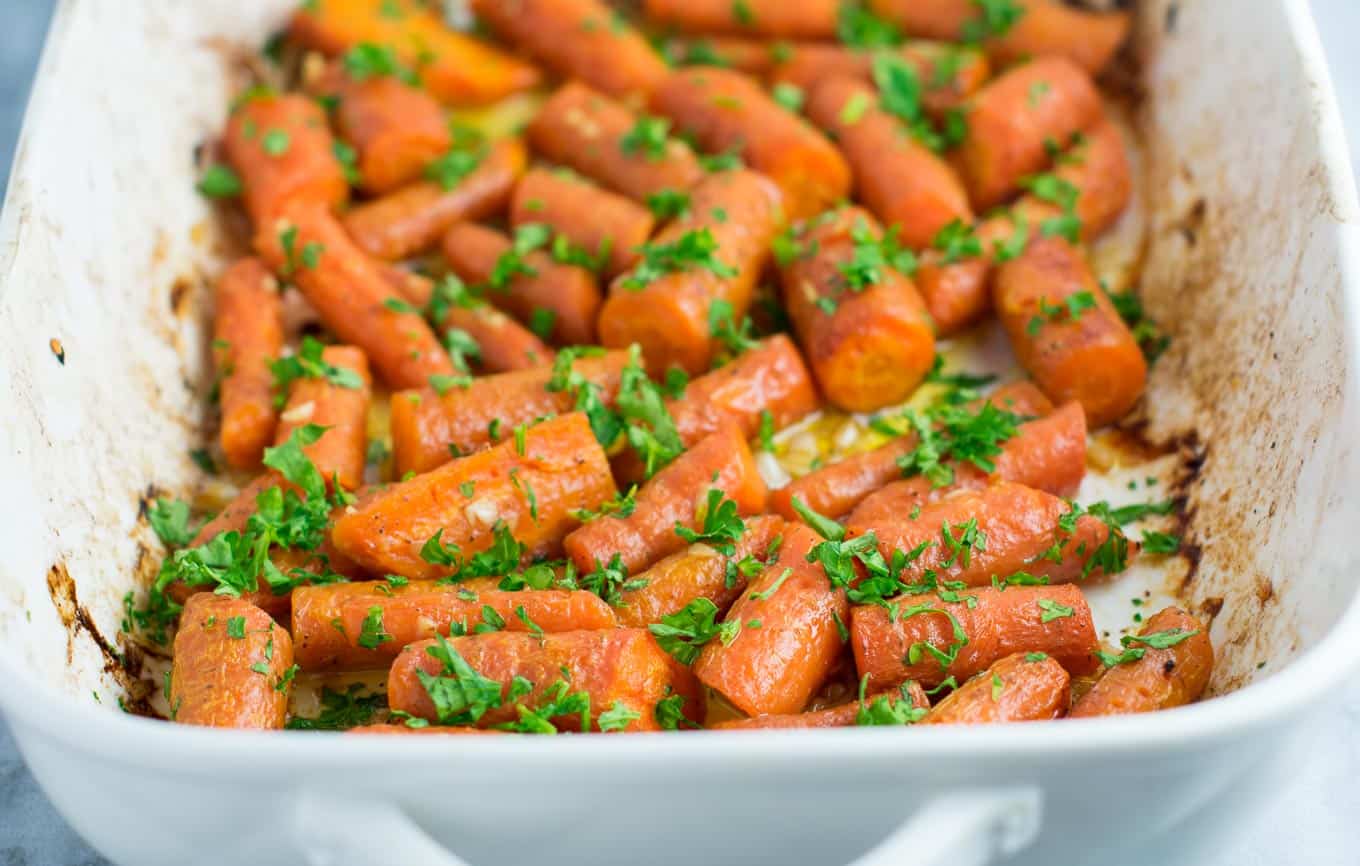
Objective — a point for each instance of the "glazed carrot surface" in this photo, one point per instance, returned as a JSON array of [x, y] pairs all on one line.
[[588, 367]]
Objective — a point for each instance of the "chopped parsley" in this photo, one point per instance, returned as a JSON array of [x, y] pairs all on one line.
[[684, 633], [696, 249], [649, 137], [220, 181], [720, 523], [308, 363]]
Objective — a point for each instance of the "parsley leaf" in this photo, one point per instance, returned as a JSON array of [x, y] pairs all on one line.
[[308, 363], [340, 711], [617, 717], [170, 519], [696, 249], [684, 633], [460, 694], [720, 524]]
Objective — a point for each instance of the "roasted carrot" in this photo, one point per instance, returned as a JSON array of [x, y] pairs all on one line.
[[429, 427], [844, 716], [1047, 453], [458, 69], [529, 486], [729, 111], [1013, 117], [600, 223], [529, 284], [308, 247], [414, 217], [395, 128], [929, 19], [353, 626], [612, 667], [867, 339], [1067, 333], [835, 489], [698, 571], [588, 131], [247, 335], [714, 253], [501, 344], [1167, 665], [1097, 167], [1024, 687], [232, 666], [283, 151], [583, 39], [900, 179], [341, 408], [807, 19], [972, 536], [790, 634], [948, 74], [680, 495], [750, 55], [929, 639], [767, 381], [427, 730]]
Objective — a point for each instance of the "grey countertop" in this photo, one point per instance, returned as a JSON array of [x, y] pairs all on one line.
[[1312, 824]]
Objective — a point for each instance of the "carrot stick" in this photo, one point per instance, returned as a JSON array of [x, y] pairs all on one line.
[[750, 55], [434, 730], [789, 637], [807, 19], [282, 149], [567, 295], [1018, 529], [428, 427], [666, 304], [948, 73], [231, 666], [959, 640], [844, 716], [588, 131], [1173, 669], [457, 69], [1024, 687], [247, 335], [1067, 333], [835, 489], [1011, 118], [529, 486], [307, 246], [680, 495], [413, 218], [874, 344], [396, 129], [583, 39], [612, 667], [339, 453], [698, 571], [901, 180], [594, 220], [729, 111]]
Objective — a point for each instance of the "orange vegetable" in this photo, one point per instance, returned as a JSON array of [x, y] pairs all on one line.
[[806, 19], [902, 181], [1011, 119], [1020, 526], [948, 73], [282, 149], [594, 220], [614, 666], [1024, 687], [532, 491], [247, 335], [750, 55], [568, 293], [229, 667], [1162, 678], [458, 69], [1067, 333], [729, 111], [875, 343], [436, 730], [1051, 619], [844, 716], [789, 638], [308, 246], [698, 571], [676, 496], [586, 130], [835, 489], [427, 427], [339, 453], [583, 39], [413, 218], [669, 315]]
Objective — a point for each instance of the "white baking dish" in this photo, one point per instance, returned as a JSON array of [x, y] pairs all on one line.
[[1253, 266]]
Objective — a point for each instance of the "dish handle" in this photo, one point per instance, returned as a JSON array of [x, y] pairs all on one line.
[[969, 827]]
